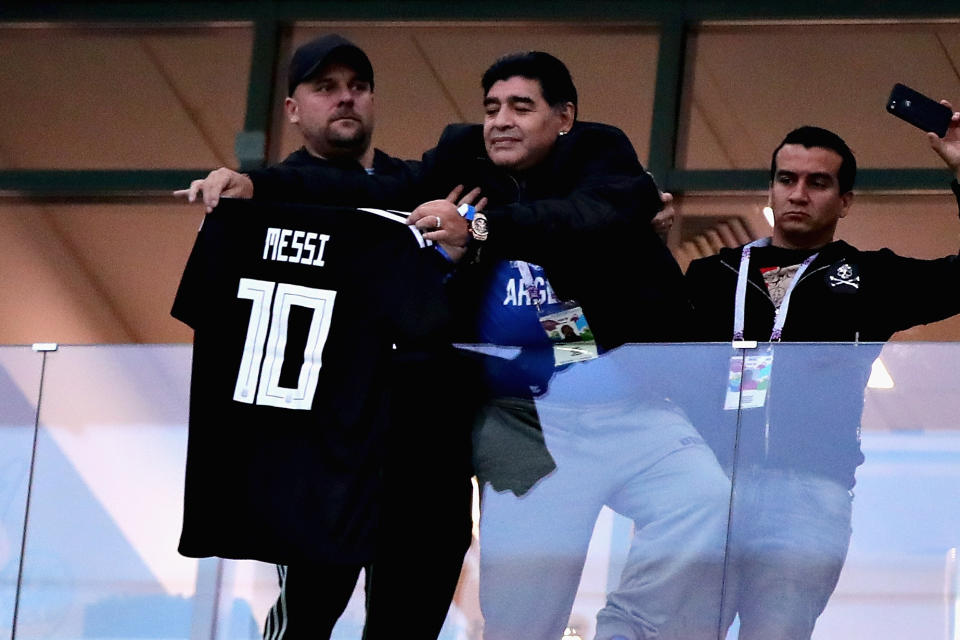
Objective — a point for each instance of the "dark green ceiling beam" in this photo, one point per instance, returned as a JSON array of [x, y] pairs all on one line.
[[250, 145], [263, 62], [173, 11], [692, 10], [664, 124], [821, 10], [49, 183]]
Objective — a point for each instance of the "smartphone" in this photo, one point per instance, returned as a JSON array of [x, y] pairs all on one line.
[[919, 110]]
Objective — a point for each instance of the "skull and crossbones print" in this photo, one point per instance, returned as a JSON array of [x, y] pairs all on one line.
[[845, 275]]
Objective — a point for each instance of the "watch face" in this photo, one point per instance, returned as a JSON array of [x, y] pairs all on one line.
[[479, 227]]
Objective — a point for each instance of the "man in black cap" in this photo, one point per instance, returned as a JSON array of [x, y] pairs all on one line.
[[330, 100]]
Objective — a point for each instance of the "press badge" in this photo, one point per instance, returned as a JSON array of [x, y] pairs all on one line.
[[563, 322], [566, 326], [749, 381]]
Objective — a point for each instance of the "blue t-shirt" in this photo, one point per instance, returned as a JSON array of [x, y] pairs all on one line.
[[508, 315]]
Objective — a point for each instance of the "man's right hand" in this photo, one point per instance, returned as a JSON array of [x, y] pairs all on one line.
[[221, 182], [948, 147], [450, 230]]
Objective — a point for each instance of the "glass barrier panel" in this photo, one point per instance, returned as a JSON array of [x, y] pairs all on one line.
[[247, 592], [20, 372], [101, 559], [554, 445], [844, 519], [656, 487]]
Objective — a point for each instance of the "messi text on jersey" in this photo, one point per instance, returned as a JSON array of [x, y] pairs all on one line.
[[290, 245]]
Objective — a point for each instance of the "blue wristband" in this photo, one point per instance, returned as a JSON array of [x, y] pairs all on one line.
[[442, 252]]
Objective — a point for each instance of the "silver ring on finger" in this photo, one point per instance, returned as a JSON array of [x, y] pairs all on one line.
[[438, 221]]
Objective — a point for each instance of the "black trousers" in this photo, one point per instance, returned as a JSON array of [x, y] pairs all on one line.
[[425, 523], [410, 582], [311, 599], [414, 576], [425, 520]]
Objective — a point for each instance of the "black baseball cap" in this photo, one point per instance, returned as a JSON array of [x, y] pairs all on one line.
[[310, 58]]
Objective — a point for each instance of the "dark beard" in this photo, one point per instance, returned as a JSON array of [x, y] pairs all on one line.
[[359, 140]]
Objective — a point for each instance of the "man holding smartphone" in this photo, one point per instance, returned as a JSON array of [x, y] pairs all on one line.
[[798, 446]]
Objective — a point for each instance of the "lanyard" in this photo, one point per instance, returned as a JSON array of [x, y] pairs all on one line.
[[527, 279], [740, 300]]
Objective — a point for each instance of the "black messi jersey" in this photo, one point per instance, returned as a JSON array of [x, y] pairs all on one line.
[[295, 310]]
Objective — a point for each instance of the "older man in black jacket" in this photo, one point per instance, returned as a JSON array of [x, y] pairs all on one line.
[[568, 223]]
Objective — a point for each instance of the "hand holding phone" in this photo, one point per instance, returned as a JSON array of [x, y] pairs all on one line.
[[919, 110]]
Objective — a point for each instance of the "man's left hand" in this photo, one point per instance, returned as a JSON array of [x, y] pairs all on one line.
[[663, 221]]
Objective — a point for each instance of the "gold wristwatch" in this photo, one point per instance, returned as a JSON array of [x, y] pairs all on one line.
[[478, 227]]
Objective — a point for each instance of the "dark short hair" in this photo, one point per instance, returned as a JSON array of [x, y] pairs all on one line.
[[310, 59], [553, 76], [825, 139]]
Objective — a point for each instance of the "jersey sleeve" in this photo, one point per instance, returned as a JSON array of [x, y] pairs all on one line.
[[415, 296], [188, 300], [394, 187]]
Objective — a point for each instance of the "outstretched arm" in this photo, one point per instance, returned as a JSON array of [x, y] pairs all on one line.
[[339, 185], [919, 286], [599, 208], [220, 182], [329, 184]]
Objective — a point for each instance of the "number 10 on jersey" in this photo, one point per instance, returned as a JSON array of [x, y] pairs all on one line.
[[258, 381]]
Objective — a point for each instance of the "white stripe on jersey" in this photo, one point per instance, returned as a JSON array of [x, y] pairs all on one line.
[[399, 216], [396, 216], [423, 242]]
